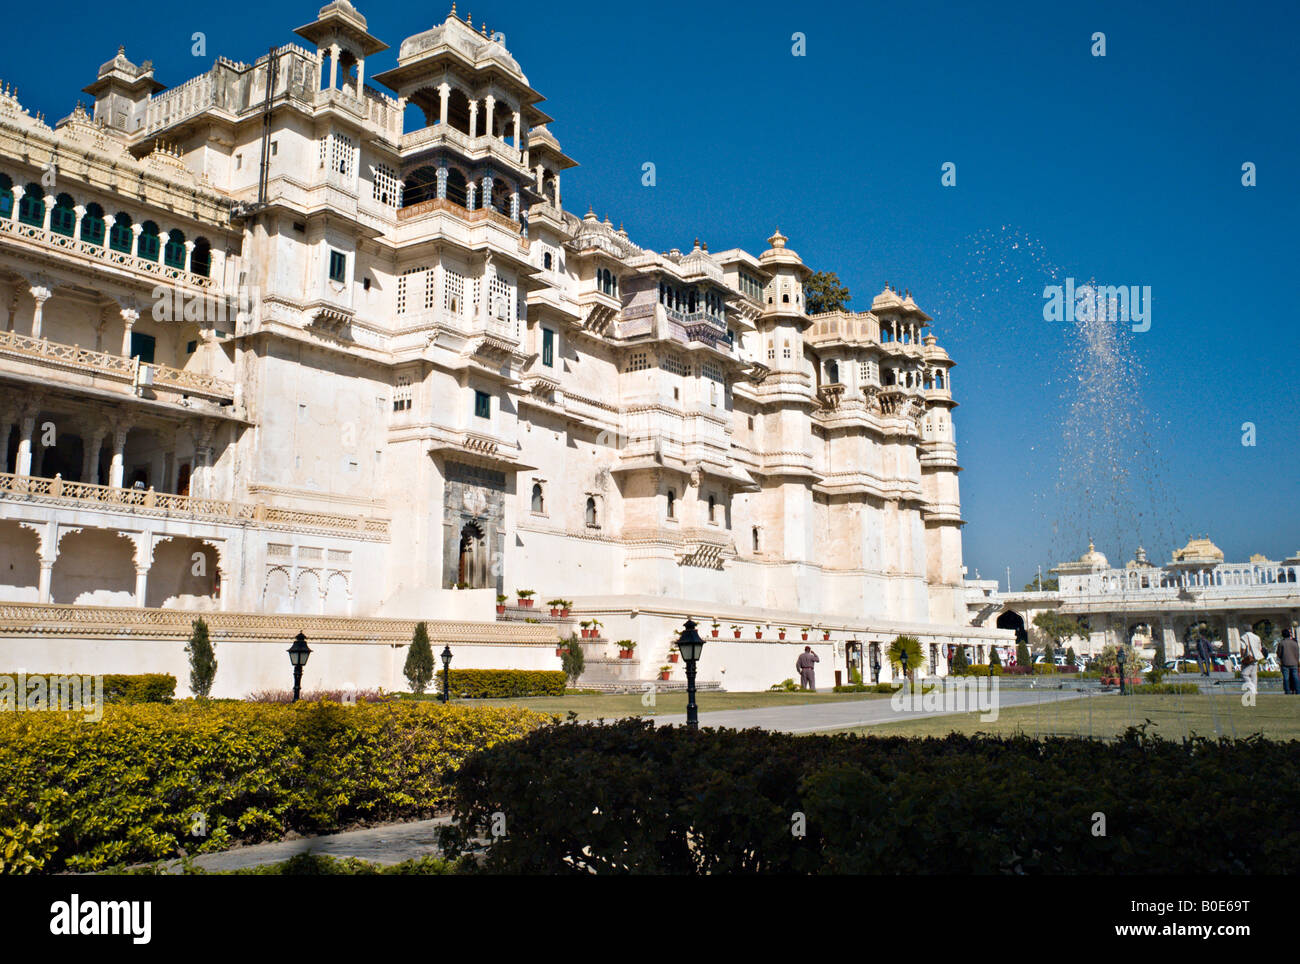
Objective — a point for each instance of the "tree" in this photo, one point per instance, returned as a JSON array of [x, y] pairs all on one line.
[[823, 292], [905, 644], [1038, 584], [572, 660], [203, 660], [419, 660], [1057, 628], [1049, 654], [1160, 652], [959, 662], [994, 658], [1070, 658], [1022, 654]]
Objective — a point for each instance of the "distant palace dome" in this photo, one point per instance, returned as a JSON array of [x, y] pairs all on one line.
[[1198, 551], [1094, 558]]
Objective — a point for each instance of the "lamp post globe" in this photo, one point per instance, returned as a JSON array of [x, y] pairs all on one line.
[[691, 646], [298, 654], [446, 674]]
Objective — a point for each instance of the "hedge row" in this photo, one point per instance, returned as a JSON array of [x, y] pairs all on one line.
[[502, 683], [634, 798], [126, 688], [133, 787]]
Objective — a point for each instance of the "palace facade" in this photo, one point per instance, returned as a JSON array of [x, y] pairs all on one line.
[[277, 342]]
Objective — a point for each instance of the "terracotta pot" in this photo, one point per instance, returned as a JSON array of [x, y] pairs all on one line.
[[501, 610], [758, 635], [586, 633], [555, 611], [826, 635], [781, 635], [564, 612], [738, 634], [525, 603], [673, 657], [715, 633], [559, 650], [625, 654], [665, 676], [805, 636]]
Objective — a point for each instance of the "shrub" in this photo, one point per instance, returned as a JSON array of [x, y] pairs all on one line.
[[129, 687], [203, 661], [130, 788], [672, 800], [499, 684], [785, 686], [320, 696], [1165, 689], [573, 660], [419, 660]]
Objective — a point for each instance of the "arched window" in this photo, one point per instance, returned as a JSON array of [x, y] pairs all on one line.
[[147, 247], [92, 224], [672, 504], [591, 511], [63, 219], [457, 188], [6, 197], [713, 509], [421, 185], [500, 199], [201, 258], [174, 251], [120, 235], [546, 260], [833, 372], [31, 209], [539, 503]]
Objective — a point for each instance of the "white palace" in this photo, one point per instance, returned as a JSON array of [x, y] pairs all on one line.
[[288, 350]]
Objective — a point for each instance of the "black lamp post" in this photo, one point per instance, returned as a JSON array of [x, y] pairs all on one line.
[[903, 656], [1121, 670], [691, 646], [298, 654], [446, 674], [875, 665]]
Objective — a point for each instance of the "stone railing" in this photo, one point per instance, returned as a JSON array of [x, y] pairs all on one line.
[[113, 621], [163, 504], [454, 209], [119, 259], [74, 357]]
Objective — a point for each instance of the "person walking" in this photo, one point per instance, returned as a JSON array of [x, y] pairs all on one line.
[[1252, 651], [807, 659], [1203, 654], [1288, 654]]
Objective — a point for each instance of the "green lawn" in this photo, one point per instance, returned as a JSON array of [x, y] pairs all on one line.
[[611, 706], [1274, 716]]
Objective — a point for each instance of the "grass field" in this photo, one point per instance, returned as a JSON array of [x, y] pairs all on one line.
[[612, 706], [1274, 716]]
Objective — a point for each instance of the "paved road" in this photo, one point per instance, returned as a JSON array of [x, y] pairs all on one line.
[[389, 844], [811, 717]]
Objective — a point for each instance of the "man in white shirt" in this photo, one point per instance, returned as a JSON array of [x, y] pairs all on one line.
[[1252, 653]]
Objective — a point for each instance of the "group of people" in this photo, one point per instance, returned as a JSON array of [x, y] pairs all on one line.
[[1253, 653]]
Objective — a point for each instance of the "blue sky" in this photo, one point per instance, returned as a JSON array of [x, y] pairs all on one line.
[[1125, 169]]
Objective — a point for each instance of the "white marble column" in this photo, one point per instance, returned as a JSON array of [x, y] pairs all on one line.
[[444, 100], [40, 294], [117, 469], [129, 317], [334, 66]]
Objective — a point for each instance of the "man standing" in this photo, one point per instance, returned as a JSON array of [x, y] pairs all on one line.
[[805, 664], [1288, 654], [1203, 654], [1251, 653]]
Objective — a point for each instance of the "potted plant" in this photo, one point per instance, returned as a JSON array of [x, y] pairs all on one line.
[[561, 649], [585, 628], [804, 634], [625, 648], [525, 597], [716, 626], [735, 629], [665, 672], [780, 632], [555, 606], [564, 608], [758, 632], [501, 603], [674, 654], [462, 585], [826, 634], [595, 628]]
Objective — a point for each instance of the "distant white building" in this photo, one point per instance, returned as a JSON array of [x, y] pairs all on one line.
[[281, 347]]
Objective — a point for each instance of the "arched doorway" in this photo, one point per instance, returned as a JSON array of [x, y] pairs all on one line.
[[1013, 620], [472, 567]]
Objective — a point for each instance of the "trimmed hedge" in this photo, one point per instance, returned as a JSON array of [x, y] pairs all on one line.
[[634, 798], [128, 688], [484, 684], [1165, 689], [81, 796]]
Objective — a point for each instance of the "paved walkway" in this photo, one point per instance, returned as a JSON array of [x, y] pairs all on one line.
[[812, 717], [389, 844]]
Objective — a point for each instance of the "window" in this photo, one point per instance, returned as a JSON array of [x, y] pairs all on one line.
[[120, 236], [92, 225], [142, 347], [31, 209], [174, 250], [638, 362], [6, 197], [591, 511], [402, 392], [482, 405], [147, 246], [713, 510], [338, 266], [672, 504], [275, 148], [386, 188], [756, 539], [63, 219], [453, 295], [546, 260], [539, 501], [548, 348]]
